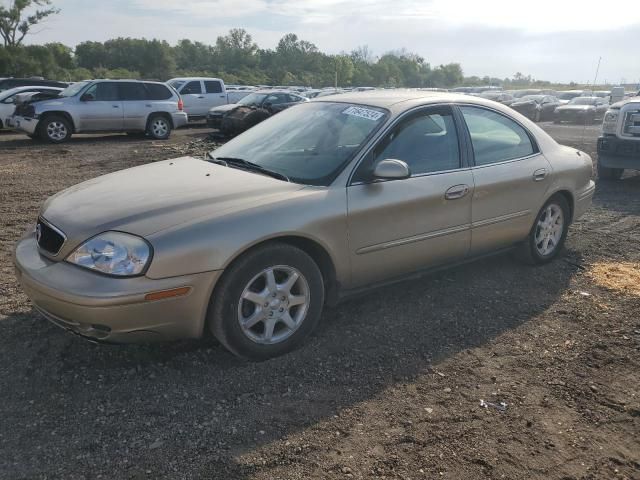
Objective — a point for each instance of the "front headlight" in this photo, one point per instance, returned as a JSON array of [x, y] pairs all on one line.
[[113, 253], [610, 121]]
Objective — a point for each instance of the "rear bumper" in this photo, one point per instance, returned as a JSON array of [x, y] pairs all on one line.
[[111, 309], [180, 119], [614, 152], [27, 125]]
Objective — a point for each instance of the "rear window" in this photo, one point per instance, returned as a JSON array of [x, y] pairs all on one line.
[[132, 91], [157, 91], [213, 86]]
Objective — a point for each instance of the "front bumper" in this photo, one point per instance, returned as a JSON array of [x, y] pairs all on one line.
[[180, 119], [24, 124], [614, 152], [112, 309]]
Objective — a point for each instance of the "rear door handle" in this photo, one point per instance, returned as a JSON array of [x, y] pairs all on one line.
[[539, 174], [457, 191], [116, 106], [200, 96]]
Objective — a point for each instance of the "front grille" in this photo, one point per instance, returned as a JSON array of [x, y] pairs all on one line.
[[25, 110], [49, 238]]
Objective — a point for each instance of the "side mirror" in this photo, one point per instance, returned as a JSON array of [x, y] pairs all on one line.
[[87, 97], [391, 169]]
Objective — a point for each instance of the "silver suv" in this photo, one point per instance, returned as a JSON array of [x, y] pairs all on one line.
[[103, 106]]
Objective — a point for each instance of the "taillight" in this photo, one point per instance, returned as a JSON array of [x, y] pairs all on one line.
[[180, 104]]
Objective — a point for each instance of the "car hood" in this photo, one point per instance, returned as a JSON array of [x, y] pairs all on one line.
[[150, 198], [575, 107], [523, 104], [223, 108]]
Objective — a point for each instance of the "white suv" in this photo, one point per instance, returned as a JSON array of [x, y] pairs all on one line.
[[103, 106]]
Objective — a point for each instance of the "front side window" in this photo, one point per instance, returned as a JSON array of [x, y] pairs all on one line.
[[495, 138], [194, 88], [103, 92], [276, 99], [427, 142]]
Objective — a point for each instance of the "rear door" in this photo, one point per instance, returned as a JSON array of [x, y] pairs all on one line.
[[400, 226], [511, 179], [214, 94], [101, 109], [195, 103], [135, 104]]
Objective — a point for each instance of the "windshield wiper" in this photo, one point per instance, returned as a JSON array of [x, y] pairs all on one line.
[[247, 165]]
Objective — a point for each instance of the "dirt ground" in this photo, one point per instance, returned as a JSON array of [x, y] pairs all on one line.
[[392, 385]]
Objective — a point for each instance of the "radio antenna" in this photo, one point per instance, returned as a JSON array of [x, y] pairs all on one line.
[[593, 91]]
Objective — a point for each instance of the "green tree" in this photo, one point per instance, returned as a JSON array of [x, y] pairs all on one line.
[[18, 18]]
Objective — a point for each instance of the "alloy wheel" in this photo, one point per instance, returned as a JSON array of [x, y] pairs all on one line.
[[549, 230], [273, 304]]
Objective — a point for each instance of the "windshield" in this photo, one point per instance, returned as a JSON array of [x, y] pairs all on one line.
[[531, 98], [74, 89], [253, 99], [583, 101], [309, 143], [568, 95]]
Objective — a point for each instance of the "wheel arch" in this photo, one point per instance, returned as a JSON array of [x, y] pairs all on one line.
[[159, 113], [66, 115], [568, 196]]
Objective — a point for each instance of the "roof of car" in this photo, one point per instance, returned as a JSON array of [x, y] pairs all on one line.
[[388, 98]]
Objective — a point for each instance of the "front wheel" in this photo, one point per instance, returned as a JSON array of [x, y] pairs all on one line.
[[267, 302], [54, 129], [159, 127], [548, 234]]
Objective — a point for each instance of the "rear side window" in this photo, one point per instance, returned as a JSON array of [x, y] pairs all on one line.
[[495, 138], [213, 86], [132, 91], [157, 91], [194, 88]]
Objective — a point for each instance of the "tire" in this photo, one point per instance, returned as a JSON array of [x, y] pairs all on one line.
[[248, 278], [556, 121], [54, 129], [159, 127], [532, 250], [606, 173], [537, 116]]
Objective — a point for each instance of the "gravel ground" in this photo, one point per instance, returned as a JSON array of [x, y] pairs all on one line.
[[390, 386]]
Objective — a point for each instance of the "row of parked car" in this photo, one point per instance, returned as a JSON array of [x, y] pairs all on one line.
[[53, 111]]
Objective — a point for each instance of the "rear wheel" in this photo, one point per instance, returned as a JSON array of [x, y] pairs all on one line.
[[605, 173], [159, 127], [267, 302], [548, 234], [54, 129]]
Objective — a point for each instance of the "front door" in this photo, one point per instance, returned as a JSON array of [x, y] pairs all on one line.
[[511, 179], [400, 226], [101, 109]]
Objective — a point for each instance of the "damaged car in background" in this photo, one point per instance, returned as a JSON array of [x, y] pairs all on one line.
[[9, 99], [581, 110], [536, 107], [320, 201], [256, 107]]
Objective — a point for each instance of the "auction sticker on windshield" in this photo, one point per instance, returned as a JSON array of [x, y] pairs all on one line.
[[363, 113]]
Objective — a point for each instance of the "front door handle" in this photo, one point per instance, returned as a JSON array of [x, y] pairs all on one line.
[[457, 191], [116, 106], [539, 174]]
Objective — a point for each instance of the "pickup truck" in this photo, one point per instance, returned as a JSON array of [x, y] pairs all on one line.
[[619, 144], [200, 94]]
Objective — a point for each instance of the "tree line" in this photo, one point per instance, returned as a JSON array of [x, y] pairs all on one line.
[[235, 57]]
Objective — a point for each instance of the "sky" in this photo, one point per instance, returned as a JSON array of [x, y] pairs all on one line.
[[556, 40]]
